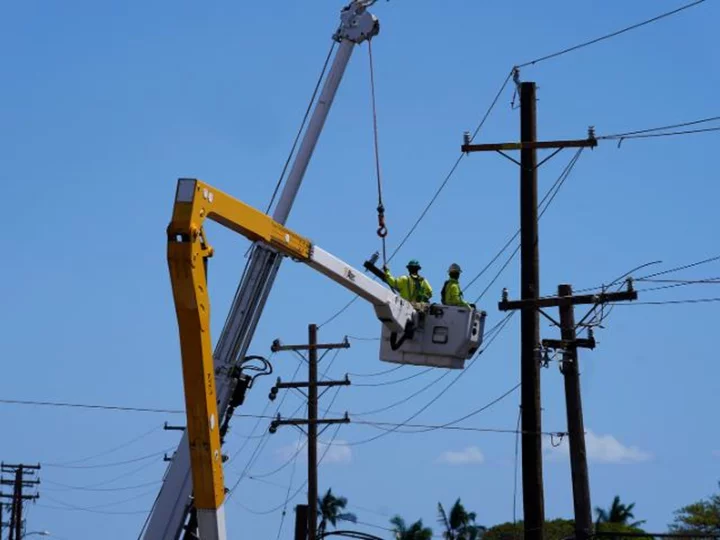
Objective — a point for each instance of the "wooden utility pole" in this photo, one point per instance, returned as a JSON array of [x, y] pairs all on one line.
[[570, 369], [301, 522], [312, 421], [533, 497], [532, 472], [569, 344], [17, 496]]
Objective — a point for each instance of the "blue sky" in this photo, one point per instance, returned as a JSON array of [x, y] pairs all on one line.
[[105, 105]]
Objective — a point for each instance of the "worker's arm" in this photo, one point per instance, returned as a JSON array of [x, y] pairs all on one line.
[[389, 279]]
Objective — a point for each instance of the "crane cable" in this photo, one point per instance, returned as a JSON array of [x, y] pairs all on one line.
[[382, 229]]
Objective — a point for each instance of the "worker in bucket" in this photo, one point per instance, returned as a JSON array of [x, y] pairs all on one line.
[[451, 294], [413, 287]]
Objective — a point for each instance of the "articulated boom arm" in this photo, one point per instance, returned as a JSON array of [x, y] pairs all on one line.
[[196, 201], [188, 251]]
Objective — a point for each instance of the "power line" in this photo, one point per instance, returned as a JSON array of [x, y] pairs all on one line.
[[113, 464], [89, 406], [547, 200], [298, 490], [450, 425], [67, 487], [453, 168], [114, 449], [405, 399], [683, 267], [661, 128], [441, 393], [679, 283], [611, 35], [669, 302], [435, 195], [715, 280]]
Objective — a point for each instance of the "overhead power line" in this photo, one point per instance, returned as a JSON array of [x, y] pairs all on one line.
[[662, 131], [670, 302], [547, 200], [91, 406], [611, 35], [435, 195]]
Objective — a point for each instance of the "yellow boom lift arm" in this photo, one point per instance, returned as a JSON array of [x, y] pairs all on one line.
[[439, 336]]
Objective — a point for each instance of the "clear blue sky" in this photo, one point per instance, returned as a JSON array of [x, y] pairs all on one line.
[[104, 105]]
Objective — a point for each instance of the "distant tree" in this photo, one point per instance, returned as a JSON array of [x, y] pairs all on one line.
[[416, 531], [617, 513], [556, 529], [700, 517], [460, 524], [330, 511]]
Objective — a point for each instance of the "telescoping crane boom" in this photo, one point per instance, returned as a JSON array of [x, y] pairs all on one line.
[[173, 503], [442, 336]]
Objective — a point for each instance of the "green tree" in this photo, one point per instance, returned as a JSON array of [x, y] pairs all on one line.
[[699, 517], [416, 531], [460, 524], [617, 513], [555, 529], [330, 510]]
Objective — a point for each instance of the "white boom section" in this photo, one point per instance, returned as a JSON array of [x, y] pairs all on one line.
[[390, 308], [211, 523], [169, 512]]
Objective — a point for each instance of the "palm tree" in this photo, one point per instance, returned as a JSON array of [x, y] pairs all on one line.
[[460, 524], [416, 531], [330, 511], [618, 513]]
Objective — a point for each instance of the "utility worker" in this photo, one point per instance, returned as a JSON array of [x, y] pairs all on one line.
[[451, 294], [413, 287]]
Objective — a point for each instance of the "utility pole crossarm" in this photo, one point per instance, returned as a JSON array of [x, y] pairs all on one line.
[[590, 142], [277, 346], [581, 343], [304, 422], [560, 301], [299, 384]]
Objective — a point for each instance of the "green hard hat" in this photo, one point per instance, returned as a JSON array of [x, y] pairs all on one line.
[[454, 268], [413, 262]]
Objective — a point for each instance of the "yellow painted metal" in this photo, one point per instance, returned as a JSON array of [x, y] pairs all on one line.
[[187, 254]]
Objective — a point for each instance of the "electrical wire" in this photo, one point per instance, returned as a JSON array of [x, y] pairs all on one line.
[[88, 406], [678, 268], [611, 35], [679, 283], [406, 399], [435, 195], [547, 200], [650, 131], [298, 490], [68, 487], [105, 465], [119, 447], [396, 381], [441, 393], [671, 302], [424, 428], [453, 168], [287, 495], [118, 477]]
